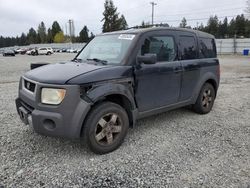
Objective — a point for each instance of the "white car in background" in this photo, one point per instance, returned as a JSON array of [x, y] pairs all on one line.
[[40, 51], [72, 50], [45, 51]]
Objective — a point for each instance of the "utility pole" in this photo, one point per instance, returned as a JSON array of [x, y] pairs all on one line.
[[153, 4], [66, 29], [71, 29]]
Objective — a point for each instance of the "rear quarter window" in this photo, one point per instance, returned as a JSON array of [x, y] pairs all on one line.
[[188, 47], [207, 48]]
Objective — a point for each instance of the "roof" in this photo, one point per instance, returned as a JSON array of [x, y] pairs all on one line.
[[145, 30]]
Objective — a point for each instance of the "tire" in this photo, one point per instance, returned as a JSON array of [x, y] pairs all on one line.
[[48, 53], [205, 100], [99, 127]]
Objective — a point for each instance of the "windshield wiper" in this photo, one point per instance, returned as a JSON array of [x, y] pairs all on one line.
[[104, 62]]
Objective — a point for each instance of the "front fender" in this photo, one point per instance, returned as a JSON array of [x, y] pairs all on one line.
[[99, 92]]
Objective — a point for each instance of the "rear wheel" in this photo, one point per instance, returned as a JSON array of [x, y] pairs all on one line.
[[205, 99], [105, 128]]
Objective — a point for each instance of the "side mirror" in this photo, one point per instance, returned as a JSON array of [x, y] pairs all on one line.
[[147, 59]]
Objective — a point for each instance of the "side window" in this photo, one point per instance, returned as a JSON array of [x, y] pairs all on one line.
[[162, 46], [207, 48], [187, 47]]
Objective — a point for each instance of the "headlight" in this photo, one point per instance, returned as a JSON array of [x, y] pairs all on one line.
[[52, 96]]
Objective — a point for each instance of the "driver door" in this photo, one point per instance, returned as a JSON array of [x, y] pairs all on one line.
[[158, 85]]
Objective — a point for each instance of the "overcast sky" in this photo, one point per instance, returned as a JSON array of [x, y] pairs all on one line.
[[17, 16]]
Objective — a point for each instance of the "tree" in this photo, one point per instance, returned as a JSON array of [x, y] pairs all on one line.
[[49, 37], [144, 25], [183, 23], [55, 29], [84, 34], [223, 28], [59, 37], [111, 19], [122, 24], [212, 26], [42, 32], [240, 25], [23, 40], [32, 36], [247, 29], [231, 28]]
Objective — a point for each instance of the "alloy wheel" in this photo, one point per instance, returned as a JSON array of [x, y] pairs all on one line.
[[108, 129]]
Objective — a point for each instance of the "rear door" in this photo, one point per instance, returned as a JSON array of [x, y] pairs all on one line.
[[190, 62], [158, 85]]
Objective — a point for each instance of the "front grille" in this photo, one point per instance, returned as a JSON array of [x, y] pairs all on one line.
[[29, 85]]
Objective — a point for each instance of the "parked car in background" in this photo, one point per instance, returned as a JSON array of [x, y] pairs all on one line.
[[45, 51], [16, 50], [31, 51], [56, 49], [21, 51], [63, 50], [72, 50], [40, 51], [8, 53]]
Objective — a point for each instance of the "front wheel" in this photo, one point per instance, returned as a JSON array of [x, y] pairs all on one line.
[[105, 128], [205, 100]]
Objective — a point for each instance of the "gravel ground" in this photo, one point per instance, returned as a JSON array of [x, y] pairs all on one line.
[[174, 149]]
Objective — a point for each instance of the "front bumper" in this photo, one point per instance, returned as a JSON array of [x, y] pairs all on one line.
[[64, 120]]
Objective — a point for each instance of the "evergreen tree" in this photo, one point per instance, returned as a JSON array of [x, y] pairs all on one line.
[[55, 29], [23, 40], [42, 32], [247, 29], [223, 28], [183, 23], [240, 25], [144, 25], [32, 36], [122, 23], [49, 37], [84, 34], [111, 19], [231, 28], [212, 26]]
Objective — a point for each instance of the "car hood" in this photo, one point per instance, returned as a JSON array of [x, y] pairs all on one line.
[[60, 73]]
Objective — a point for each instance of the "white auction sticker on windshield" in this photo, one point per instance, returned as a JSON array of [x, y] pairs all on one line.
[[126, 36]]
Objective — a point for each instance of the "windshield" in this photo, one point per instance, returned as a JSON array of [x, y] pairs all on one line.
[[110, 49]]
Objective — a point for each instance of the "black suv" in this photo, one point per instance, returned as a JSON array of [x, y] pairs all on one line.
[[117, 78]]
